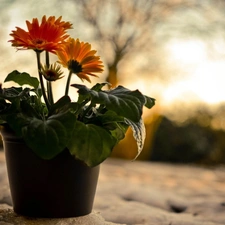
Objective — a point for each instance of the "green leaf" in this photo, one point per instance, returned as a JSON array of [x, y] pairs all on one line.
[[22, 79], [12, 93], [112, 122], [150, 102], [119, 131], [91, 144], [126, 103], [98, 87], [122, 101], [84, 95], [14, 96], [47, 137], [62, 103], [5, 109], [28, 109]]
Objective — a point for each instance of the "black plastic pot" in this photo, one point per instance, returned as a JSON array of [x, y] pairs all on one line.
[[57, 188]]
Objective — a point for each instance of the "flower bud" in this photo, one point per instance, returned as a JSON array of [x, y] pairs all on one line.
[[52, 73]]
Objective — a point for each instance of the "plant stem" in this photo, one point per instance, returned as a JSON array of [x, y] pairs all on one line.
[[68, 83], [47, 59], [41, 79], [49, 83]]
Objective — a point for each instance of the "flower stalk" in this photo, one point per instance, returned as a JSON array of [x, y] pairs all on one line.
[[38, 55], [68, 83], [49, 83]]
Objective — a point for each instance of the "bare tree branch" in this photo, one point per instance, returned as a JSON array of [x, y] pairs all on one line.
[[128, 26]]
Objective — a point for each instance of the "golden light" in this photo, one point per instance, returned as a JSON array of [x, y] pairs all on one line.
[[200, 78]]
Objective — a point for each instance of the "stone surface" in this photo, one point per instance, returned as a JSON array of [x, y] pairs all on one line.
[[161, 194], [143, 193], [8, 217]]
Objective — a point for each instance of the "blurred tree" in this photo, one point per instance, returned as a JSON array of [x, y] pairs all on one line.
[[126, 29]]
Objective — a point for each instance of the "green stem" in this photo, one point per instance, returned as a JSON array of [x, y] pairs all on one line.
[[47, 59], [49, 83], [49, 92], [38, 54], [68, 83]]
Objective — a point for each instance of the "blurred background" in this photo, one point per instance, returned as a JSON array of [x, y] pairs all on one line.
[[172, 50]]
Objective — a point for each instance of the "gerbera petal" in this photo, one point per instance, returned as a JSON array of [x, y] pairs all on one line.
[[89, 59], [84, 76], [74, 50]]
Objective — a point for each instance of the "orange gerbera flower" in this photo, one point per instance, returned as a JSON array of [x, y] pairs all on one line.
[[46, 36], [80, 59]]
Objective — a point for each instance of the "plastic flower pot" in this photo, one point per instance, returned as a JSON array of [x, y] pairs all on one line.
[[56, 188]]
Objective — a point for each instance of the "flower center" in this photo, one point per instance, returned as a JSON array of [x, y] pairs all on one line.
[[74, 66], [38, 44], [51, 74], [38, 41]]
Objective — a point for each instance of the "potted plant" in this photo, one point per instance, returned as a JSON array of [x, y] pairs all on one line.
[[54, 148]]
